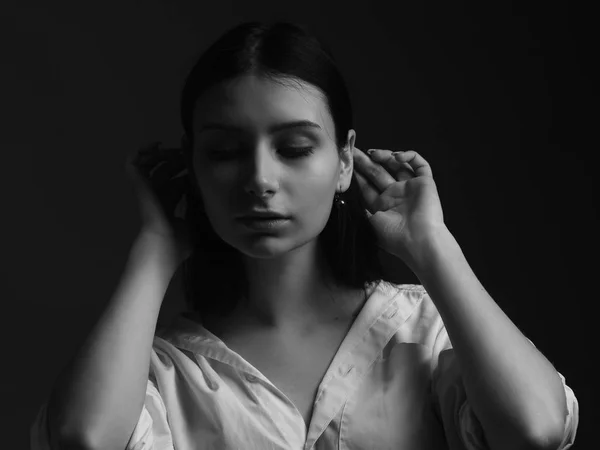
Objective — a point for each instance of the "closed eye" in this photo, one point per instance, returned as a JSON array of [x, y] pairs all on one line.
[[290, 152], [298, 152]]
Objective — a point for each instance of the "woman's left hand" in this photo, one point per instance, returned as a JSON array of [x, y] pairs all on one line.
[[402, 200]]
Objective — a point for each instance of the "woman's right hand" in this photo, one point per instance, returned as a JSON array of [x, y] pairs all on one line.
[[159, 177]]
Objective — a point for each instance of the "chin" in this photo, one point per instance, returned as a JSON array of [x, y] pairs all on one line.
[[268, 246], [263, 249]]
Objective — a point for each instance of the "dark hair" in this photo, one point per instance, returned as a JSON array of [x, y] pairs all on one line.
[[214, 277]]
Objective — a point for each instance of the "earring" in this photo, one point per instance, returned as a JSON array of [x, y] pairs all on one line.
[[338, 201]]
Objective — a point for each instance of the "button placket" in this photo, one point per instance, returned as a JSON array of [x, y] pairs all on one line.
[[212, 383], [393, 312], [251, 378]]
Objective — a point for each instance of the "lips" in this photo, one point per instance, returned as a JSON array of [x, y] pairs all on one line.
[[265, 224], [263, 218]]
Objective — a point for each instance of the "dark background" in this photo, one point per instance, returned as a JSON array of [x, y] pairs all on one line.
[[499, 98]]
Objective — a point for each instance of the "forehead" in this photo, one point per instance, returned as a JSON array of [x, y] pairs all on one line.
[[255, 104]]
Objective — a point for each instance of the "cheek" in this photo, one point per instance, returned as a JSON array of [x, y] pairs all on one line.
[[316, 190], [213, 195], [321, 177]]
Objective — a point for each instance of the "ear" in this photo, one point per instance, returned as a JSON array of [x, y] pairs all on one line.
[[347, 163]]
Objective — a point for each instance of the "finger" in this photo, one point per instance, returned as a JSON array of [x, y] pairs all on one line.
[[369, 192], [420, 166], [376, 174], [166, 170], [399, 169], [149, 157], [172, 192], [148, 150]]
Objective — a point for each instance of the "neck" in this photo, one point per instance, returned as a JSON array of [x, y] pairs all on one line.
[[294, 290]]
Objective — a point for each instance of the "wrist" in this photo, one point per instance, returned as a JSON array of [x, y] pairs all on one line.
[[157, 248], [424, 253]]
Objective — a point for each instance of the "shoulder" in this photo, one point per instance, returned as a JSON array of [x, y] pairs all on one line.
[[422, 314], [415, 293]]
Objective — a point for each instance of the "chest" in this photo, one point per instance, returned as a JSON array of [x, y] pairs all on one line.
[[294, 366]]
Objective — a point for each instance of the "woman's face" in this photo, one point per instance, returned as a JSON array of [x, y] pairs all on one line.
[[243, 161]]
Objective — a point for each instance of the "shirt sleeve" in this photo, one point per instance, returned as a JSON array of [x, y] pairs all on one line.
[[462, 428], [151, 432]]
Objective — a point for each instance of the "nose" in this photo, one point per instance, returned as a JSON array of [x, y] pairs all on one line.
[[262, 173]]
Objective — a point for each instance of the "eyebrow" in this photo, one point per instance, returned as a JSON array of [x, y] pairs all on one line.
[[272, 129]]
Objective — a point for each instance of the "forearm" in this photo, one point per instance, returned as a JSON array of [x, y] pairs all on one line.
[[514, 391], [101, 392]]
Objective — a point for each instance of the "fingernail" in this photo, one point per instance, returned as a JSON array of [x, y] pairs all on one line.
[[370, 151]]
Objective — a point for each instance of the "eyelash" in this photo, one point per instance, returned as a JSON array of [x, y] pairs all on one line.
[[298, 152]]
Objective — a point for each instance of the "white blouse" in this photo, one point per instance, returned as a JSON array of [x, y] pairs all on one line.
[[394, 383]]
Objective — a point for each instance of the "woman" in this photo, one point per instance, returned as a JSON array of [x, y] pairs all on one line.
[[292, 337]]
